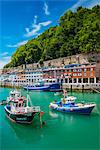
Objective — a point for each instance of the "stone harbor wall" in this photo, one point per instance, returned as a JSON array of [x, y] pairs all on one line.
[[80, 58]]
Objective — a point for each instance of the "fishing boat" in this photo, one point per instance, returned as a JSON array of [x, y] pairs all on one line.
[[68, 105], [19, 111], [45, 87], [37, 88]]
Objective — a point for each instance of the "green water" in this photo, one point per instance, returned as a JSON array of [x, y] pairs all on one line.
[[61, 131]]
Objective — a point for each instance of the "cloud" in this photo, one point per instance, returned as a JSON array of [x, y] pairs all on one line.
[[36, 27], [45, 8], [34, 31], [4, 61], [18, 44], [85, 3], [4, 54], [45, 23]]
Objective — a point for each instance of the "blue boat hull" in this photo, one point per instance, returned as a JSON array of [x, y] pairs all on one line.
[[80, 111], [86, 111], [52, 87], [42, 88]]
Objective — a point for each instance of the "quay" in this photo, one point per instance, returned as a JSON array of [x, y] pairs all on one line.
[[71, 76]]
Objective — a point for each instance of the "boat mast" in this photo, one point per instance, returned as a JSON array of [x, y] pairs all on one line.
[[27, 101], [30, 100]]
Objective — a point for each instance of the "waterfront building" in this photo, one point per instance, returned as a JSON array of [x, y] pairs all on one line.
[[4, 79], [20, 79], [82, 74], [33, 76], [98, 71], [72, 74]]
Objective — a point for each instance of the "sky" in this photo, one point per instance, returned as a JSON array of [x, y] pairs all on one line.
[[21, 20]]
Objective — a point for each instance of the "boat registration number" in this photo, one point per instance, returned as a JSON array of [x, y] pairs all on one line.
[[21, 118]]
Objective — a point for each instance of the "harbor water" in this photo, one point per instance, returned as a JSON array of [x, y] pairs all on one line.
[[60, 132]]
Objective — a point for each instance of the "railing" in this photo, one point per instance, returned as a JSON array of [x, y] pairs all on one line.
[[33, 109], [82, 85], [87, 84], [26, 109]]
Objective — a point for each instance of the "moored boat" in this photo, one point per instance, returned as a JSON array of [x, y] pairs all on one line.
[[49, 87], [37, 88], [19, 111], [68, 105]]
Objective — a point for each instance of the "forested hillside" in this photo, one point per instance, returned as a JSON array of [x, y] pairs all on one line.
[[77, 32]]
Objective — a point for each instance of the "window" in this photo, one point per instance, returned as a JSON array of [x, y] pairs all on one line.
[[85, 80], [85, 69], [91, 80], [79, 74], [91, 69], [70, 70], [88, 69], [74, 74], [79, 70], [79, 80], [70, 80], [66, 80], [74, 70], [74, 80]]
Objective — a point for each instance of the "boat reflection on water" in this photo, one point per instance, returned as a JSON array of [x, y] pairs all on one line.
[[53, 114], [25, 133], [58, 93], [97, 109], [62, 117], [71, 119]]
